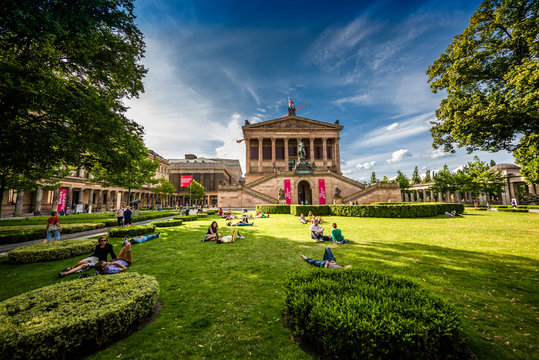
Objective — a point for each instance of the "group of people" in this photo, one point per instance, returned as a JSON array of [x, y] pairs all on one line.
[[317, 233], [124, 216], [310, 218], [213, 234]]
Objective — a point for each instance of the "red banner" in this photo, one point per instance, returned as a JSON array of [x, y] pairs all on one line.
[[62, 197], [321, 192], [186, 181], [287, 192]]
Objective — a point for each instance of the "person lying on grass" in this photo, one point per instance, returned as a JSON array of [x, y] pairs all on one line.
[[213, 232], [102, 249], [328, 262], [261, 215], [121, 263], [240, 223], [452, 213], [141, 239], [235, 234], [336, 235]]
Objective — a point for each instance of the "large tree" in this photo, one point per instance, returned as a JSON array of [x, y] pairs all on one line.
[[164, 189], [195, 191], [66, 68], [490, 74]]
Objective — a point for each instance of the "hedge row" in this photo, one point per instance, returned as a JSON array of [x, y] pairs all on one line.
[[132, 230], [202, 216], [51, 251], [513, 210], [186, 217], [273, 209], [22, 234], [358, 314], [211, 212], [74, 317], [318, 210], [399, 210], [167, 223]]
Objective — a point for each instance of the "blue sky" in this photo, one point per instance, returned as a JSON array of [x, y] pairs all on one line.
[[213, 64]]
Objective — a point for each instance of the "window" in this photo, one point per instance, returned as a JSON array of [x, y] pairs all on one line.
[[254, 153]]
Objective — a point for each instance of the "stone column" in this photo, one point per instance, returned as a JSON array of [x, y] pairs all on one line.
[[311, 149], [18, 203], [286, 154], [260, 166], [39, 199], [273, 157], [447, 196], [55, 196], [440, 197], [424, 195], [457, 197], [431, 196], [91, 200], [69, 198], [81, 196], [99, 199], [248, 156], [337, 155], [324, 153]]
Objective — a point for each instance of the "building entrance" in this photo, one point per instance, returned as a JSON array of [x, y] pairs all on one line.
[[304, 193]]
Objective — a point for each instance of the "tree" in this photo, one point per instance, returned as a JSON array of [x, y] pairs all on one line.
[[135, 175], [373, 178], [195, 191], [415, 176], [527, 155], [427, 177], [67, 67], [443, 181], [385, 180], [164, 188], [490, 73], [404, 182]]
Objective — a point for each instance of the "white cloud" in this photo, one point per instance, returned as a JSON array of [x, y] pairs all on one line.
[[457, 168], [411, 127], [438, 153], [392, 126], [398, 155], [364, 99], [367, 165]]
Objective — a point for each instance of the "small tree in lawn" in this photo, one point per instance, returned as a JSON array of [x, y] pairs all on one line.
[[195, 191], [164, 188]]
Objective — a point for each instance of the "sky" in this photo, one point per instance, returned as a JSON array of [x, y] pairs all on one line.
[[214, 64]]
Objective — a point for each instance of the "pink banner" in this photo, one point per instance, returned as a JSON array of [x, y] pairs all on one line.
[[287, 192], [62, 196], [321, 192], [186, 181]]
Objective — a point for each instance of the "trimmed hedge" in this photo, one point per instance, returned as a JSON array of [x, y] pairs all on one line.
[[186, 217], [388, 210], [273, 209], [74, 317], [27, 233], [202, 216], [131, 230], [318, 210], [167, 223], [513, 210], [358, 314], [211, 212], [51, 251]]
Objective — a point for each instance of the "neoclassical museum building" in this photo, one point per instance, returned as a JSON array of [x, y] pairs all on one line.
[[295, 160]]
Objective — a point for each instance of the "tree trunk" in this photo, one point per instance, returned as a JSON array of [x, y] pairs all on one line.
[[2, 189]]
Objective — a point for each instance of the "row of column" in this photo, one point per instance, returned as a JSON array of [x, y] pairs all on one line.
[[426, 195], [335, 158]]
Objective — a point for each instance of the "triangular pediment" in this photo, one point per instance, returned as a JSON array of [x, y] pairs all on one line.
[[292, 122]]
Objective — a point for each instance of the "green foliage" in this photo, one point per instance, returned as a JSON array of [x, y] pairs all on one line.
[[210, 212], [359, 314], [62, 320], [10, 235], [273, 209], [186, 217], [373, 178], [403, 181], [427, 178], [318, 210], [132, 230], [51, 251], [201, 216], [490, 74], [527, 156], [443, 181], [382, 210], [167, 223], [164, 188], [415, 176], [522, 210], [195, 191]]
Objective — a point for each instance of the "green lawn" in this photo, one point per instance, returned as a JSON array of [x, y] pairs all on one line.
[[226, 301]]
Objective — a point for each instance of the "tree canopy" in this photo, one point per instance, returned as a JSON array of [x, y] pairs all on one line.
[[195, 191], [66, 68], [164, 188], [490, 74]]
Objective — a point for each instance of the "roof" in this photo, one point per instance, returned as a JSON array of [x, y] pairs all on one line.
[[504, 166], [292, 122]]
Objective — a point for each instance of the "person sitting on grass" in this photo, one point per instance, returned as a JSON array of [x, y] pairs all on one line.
[[317, 232], [328, 262], [102, 249], [310, 217], [213, 232], [336, 235], [141, 239], [121, 263], [235, 234], [302, 219]]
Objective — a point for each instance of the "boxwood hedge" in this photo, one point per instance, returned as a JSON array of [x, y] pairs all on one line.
[[513, 210], [9, 235], [318, 210], [202, 216], [273, 209], [387, 210], [167, 223], [358, 314], [70, 317], [132, 230], [51, 251], [186, 217], [211, 212]]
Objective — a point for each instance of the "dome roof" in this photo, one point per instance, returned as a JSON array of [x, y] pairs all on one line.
[[504, 166]]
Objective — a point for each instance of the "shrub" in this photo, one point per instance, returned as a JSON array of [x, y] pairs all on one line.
[[186, 217], [211, 212], [167, 223], [51, 251], [318, 210], [273, 209], [70, 317], [358, 314], [131, 230], [202, 216], [17, 234], [513, 210]]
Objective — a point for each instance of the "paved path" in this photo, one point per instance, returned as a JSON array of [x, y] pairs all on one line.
[[4, 249]]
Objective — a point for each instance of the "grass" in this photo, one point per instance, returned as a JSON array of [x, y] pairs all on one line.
[[226, 301]]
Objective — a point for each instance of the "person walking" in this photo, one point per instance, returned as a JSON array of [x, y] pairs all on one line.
[[53, 227], [120, 216], [128, 216]]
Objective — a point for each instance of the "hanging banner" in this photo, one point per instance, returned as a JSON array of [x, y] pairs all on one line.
[[287, 192], [186, 181], [321, 192], [62, 197]]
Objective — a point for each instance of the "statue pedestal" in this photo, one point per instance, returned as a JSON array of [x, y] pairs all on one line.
[[303, 167]]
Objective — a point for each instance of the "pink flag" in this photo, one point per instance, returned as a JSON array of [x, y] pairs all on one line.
[[186, 181], [287, 192], [290, 103], [321, 191], [62, 196]]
